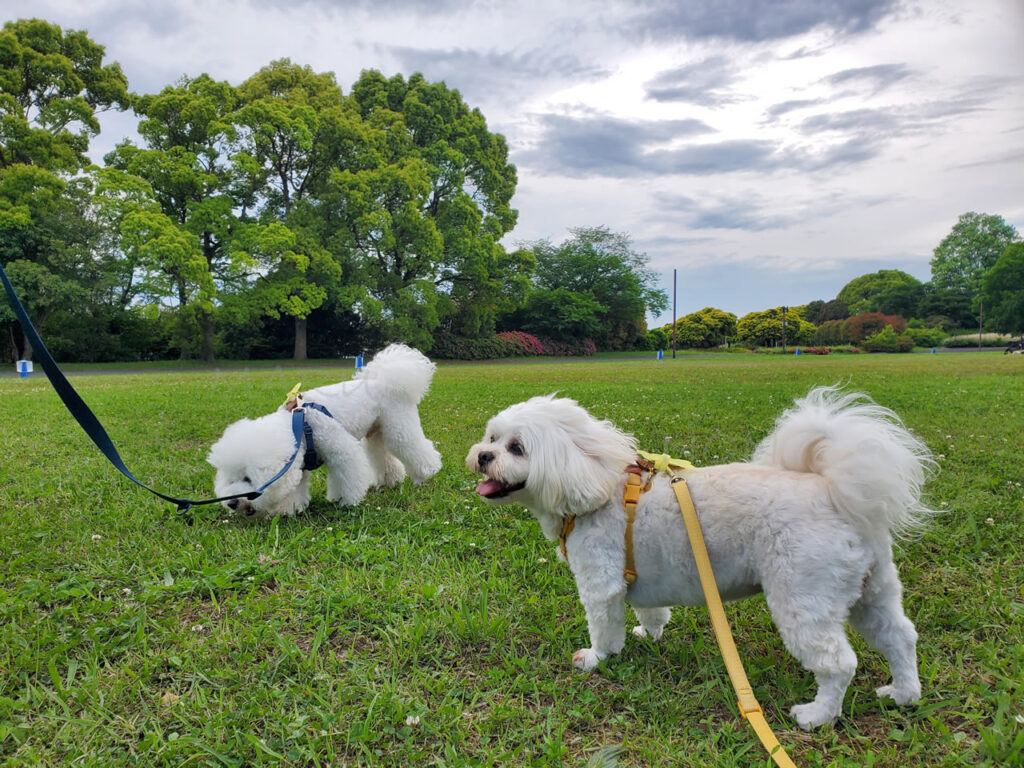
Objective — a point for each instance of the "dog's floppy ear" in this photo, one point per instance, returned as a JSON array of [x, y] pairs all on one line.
[[576, 461]]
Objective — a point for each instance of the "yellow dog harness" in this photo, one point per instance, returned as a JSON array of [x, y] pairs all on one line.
[[635, 486]]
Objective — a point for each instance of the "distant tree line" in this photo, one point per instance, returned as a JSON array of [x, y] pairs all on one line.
[[977, 284], [282, 217], [279, 217]]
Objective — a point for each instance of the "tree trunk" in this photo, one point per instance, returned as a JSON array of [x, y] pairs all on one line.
[[208, 336], [300, 339]]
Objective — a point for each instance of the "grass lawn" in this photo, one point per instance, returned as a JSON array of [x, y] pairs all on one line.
[[131, 637]]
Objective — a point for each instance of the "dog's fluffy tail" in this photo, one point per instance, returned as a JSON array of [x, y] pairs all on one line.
[[874, 466], [401, 372]]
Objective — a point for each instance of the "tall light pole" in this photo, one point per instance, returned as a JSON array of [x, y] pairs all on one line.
[[673, 313], [981, 319]]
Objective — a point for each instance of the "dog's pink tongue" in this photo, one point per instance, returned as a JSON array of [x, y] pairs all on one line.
[[487, 487]]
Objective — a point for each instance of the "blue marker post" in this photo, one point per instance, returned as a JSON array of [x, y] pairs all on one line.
[[359, 360], [798, 351], [661, 354], [24, 367]]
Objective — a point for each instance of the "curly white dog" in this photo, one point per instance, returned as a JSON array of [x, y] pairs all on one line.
[[809, 520], [372, 437]]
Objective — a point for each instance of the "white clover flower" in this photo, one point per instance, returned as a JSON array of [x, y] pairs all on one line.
[[197, 627], [989, 521], [542, 559], [96, 537], [412, 720]]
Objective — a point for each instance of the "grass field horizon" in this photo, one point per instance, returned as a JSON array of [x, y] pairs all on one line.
[[423, 627]]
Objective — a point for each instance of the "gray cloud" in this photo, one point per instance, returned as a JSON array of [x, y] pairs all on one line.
[[785, 107], [605, 146], [705, 83], [878, 77], [479, 74], [744, 213], [755, 20]]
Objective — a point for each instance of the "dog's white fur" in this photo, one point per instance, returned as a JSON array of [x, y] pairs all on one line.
[[809, 521], [374, 438]]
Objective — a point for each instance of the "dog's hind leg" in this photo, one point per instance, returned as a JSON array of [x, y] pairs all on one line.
[[879, 617], [388, 469], [811, 618], [403, 435], [652, 622]]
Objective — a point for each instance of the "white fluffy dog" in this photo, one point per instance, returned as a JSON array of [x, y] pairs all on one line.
[[809, 521], [373, 438]]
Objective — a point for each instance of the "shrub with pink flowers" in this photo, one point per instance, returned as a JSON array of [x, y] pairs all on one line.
[[528, 343], [447, 346]]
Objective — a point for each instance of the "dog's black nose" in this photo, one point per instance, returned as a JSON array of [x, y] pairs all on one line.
[[485, 458], [233, 504]]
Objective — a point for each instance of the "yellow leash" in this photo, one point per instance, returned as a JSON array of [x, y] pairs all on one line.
[[748, 706]]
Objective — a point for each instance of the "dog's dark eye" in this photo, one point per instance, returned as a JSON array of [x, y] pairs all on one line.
[[247, 480], [494, 438], [515, 448]]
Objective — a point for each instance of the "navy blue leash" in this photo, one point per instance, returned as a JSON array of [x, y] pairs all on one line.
[[88, 421]]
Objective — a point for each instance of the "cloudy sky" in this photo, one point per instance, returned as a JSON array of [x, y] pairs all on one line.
[[768, 150]]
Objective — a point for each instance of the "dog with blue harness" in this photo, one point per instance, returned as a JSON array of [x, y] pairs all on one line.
[[366, 432]]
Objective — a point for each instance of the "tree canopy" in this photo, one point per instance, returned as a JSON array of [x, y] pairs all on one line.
[[971, 248], [888, 286], [1003, 289], [601, 283]]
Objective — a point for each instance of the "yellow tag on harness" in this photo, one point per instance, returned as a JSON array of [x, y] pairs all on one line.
[[294, 394]]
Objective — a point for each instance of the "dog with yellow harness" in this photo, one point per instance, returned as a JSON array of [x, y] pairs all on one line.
[[809, 521]]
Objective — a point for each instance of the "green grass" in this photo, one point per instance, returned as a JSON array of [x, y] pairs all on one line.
[[130, 637]]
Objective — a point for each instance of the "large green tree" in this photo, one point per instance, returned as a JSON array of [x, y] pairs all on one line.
[[189, 132], [706, 328], [295, 127], [52, 84], [600, 266], [960, 261], [763, 329], [428, 215], [1003, 290], [891, 287]]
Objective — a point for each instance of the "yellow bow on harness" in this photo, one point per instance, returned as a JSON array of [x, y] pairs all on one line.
[[662, 462], [294, 394]]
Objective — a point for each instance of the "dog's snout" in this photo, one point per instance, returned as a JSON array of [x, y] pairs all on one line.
[[232, 503], [485, 458]]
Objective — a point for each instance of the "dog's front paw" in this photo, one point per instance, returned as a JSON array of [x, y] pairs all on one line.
[[585, 659], [900, 696], [812, 715]]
